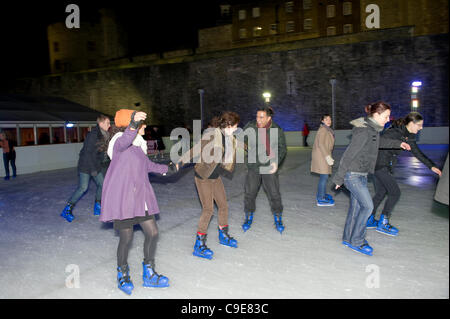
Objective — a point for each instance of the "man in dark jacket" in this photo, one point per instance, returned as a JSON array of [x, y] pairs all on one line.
[[91, 163], [266, 150]]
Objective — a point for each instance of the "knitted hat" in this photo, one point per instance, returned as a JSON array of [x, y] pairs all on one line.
[[123, 117]]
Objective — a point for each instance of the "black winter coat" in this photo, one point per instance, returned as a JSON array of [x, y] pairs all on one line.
[[91, 160], [387, 157]]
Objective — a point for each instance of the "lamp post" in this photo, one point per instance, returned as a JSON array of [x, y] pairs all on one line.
[[415, 87], [201, 91], [333, 100], [266, 96]]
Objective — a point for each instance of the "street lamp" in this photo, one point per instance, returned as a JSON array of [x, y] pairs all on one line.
[[415, 86], [333, 100], [266, 96]]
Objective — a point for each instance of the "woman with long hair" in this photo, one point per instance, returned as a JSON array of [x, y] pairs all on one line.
[[356, 163], [221, 158], [405, 130], [321, 159]]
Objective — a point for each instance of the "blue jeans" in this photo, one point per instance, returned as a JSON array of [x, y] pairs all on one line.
[[361, 207], [7, 158], [321, 189], [83, 183]]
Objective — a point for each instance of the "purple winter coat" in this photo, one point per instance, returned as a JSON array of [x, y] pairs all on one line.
[[126, 185]]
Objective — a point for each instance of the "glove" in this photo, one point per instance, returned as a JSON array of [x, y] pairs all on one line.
[[133, 124], [330, 160]]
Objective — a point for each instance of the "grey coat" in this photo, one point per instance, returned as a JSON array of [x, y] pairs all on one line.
[[361, 155]]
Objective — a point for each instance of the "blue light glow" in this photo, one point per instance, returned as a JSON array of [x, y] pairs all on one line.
[[417, 83]]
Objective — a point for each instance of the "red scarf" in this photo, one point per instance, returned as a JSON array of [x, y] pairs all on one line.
[[267, 140]]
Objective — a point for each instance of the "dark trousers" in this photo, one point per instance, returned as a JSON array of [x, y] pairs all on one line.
[[271, 186], [385, 184], [305, 139], [9, 158]]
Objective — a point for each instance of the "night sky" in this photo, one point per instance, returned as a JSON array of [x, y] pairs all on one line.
[[152, 26]]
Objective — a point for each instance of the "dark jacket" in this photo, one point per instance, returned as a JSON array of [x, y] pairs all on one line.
[[387, 157], [91, 160], [252, 144], [361, 155]]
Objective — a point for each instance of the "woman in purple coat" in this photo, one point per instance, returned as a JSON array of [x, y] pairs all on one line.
[[128, 197]]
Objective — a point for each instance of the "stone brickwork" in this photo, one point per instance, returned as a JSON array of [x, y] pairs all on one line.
[[377, 68]]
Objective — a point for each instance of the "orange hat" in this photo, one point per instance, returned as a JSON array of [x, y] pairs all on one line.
[[123, 117]]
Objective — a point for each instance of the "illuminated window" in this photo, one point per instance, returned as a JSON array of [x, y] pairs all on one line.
[[289, 6], [307, 24], [290, 26], [273, 28], [347, 8], [331, 11], [415, 103], [307, 4], [255, 12], [257, 31], [348, 28], [242, 33], [331, 31], [414, 89], [242, 14]]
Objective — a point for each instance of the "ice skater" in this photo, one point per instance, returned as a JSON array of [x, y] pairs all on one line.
[[9, 155], [221, 159], [91, 163], [322, 161], [265, 169], [405, 130], [356, 163], [128, 198]]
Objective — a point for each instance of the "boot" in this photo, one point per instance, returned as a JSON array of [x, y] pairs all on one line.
[[123, 280], [248, 221], [372, 222], [200, 248], [225, 238], [385, 228], [152, 279], [97, 208], [278, 222], [67, 212]]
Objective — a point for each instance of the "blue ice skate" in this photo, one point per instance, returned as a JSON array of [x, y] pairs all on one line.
[[152, 279], [200, 248], [97, 208], [329, 197], [278, 222], [248, 221], [123, 280], [363, 249], [372, 223], [385, 228], [325, 202], [67, 213], [225, 238]]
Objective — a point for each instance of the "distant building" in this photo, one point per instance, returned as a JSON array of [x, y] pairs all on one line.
[[90, 46]]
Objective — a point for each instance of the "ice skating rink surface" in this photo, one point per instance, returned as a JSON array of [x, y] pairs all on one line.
[[43, 256]]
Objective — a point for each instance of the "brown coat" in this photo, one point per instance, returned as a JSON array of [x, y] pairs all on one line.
[[203, 168], [323, 146]]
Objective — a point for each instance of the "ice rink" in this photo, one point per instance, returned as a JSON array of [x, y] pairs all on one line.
[[44, 256]]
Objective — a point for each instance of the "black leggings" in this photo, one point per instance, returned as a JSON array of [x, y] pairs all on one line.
[[385, 184], [151, 238]]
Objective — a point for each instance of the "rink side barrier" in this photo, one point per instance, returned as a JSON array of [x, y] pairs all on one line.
[[37, 158]]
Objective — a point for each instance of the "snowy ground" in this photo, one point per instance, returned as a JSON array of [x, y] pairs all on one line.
[[40, 252]]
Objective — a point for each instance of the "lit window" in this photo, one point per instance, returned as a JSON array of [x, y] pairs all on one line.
[[242, 33], [242, 14], [257, 31], [414, 89], [331, 11], [415, 103], [347, 8], [289, 6], [273, 28], [307, 4], [307, 24], [348, 28], [290, 26], [331, 31], [255, 12]]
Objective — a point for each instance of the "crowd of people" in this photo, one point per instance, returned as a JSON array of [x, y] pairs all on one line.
[[116, 157]]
